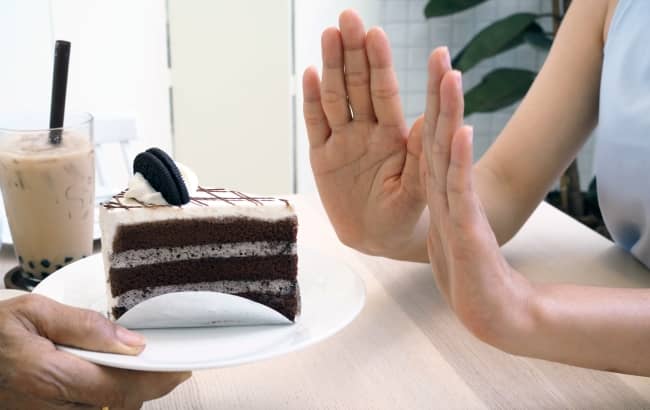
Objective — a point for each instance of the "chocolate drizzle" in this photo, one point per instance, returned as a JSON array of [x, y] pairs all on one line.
[[203, 198]]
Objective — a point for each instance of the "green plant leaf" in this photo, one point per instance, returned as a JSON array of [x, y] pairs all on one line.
[[437, 8], [498, 89], [536, 37], [499, 36]]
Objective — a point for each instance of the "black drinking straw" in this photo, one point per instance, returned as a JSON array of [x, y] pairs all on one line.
[[59, 87]]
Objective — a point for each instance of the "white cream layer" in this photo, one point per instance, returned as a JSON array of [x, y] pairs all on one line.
[[111, 218], [139, 257], [277, 287]]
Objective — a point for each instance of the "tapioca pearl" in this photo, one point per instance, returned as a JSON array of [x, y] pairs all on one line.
[[44, 275], [45, 263], [32, 264], [36, 275], [68, 259]]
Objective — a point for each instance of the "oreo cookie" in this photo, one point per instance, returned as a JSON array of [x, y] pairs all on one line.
[[174, 171], [163, 175]]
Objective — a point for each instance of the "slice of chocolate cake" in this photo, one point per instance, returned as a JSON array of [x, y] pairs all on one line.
[[221, 240]]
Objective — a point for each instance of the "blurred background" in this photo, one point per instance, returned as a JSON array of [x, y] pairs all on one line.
[[218, 83]]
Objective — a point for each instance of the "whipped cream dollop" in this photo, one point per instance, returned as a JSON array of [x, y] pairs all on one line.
[[141, 190]]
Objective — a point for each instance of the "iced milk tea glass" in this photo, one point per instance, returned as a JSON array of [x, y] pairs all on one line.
[[48, 190]]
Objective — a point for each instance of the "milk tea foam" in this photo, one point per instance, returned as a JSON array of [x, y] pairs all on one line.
[[49, 194]]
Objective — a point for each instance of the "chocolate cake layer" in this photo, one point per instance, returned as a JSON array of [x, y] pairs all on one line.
[[203, 270], [200, 231], [286, 305]]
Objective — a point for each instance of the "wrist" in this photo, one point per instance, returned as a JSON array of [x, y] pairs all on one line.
[[516, 319], [410, 249], [406, 246]]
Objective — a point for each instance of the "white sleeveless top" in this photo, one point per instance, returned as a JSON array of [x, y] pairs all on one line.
[[622, 159]]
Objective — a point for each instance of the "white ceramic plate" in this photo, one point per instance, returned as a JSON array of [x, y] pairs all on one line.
[[332, 296]]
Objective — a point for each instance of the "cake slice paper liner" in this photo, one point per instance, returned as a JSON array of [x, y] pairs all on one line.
[[199, 309]]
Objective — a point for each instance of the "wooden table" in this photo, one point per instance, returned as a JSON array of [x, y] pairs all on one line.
[[406, 350]]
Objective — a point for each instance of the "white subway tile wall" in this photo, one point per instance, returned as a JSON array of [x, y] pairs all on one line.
[[413, 37]]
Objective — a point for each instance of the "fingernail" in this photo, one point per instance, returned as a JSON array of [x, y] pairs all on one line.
[[129, 338], [447, 57]]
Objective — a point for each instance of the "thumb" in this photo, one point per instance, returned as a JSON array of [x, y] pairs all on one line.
[[411, 173], [414, 142], [82, 328]]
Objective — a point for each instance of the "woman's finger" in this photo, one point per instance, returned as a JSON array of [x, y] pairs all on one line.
[[357, 71], [439, 64], [436, 246], [384, 88], [411, 180], [464, 206], [437, 259], [450, 119], [318, 130], [333, 93]]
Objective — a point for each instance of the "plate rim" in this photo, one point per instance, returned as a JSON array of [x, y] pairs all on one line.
[[104, 359]]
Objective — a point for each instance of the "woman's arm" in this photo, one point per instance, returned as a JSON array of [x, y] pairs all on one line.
[[551, 124], [545, 133], [594, 327], [367, 173]]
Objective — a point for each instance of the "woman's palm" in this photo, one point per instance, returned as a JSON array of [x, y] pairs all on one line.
[[365, 167]]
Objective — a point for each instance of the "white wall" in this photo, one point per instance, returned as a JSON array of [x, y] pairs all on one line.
[[118, 66], [311, 18], [413, 37], [118, 61], [25, 47], [231, 75]]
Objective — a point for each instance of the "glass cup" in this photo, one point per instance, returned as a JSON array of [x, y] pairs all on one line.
[[48, 190]]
